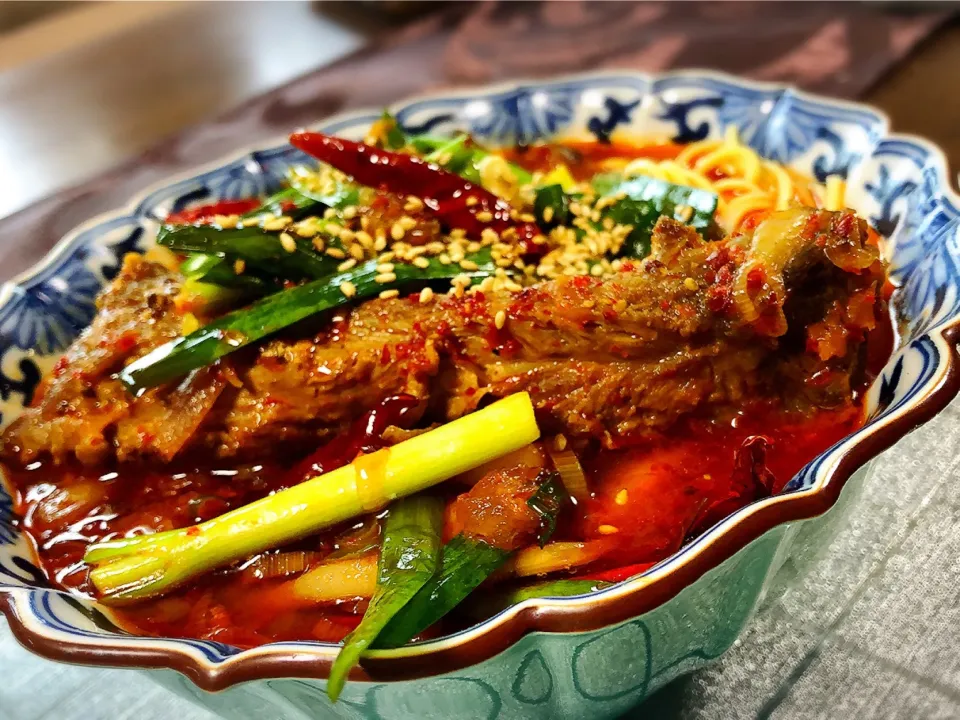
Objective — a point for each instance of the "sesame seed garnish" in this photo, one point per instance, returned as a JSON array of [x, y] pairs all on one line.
[[348, 288], [413, 204], [318, 244], [484, 216], [426, 295], [380, 244], [548, 213], [608, 530], [356, 251], [407, 222], [690, 284], [384, 278], [347, 235], [346, 265], [387, 294], [250, 222], [500, 319], [387, 257], [385, 267], [444, 259], [469, 265], [276, 224], [560, 442], [397, 231], [621, 498], [287, 242], [364, 238], [336, 253], [421, 262], [239, 266]]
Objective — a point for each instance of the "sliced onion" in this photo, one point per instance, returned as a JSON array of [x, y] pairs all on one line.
[[528, 456], [571, 473], [284, 564], [554, 557]]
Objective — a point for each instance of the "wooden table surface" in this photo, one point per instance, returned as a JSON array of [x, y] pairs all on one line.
[[89, 89]]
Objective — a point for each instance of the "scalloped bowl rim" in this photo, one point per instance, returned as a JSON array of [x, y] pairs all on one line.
[[844, 458]]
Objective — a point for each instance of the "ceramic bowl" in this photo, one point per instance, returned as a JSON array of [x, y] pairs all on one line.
[[593, 655]]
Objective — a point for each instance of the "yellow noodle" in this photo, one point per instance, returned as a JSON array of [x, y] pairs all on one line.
[[746, 184]]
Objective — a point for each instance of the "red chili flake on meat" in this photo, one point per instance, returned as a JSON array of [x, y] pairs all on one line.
[[385, 356], [628, 266], [719, 299], [193, 531], [610, 315], [756, 278], [665, 305], [718, 258], [470, 392], [581, 282], [844, 225], [61, 365]]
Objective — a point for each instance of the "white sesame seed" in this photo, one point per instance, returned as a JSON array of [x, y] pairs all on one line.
[[287, 242], [276, 224]]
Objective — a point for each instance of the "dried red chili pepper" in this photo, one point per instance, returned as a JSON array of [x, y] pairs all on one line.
[[363, 436], [456, 202], [205, 212]]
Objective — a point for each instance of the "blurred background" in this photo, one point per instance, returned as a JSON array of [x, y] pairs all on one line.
[[84, 86]]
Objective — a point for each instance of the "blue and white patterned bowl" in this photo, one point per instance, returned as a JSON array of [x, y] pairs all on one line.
[[559, 658]]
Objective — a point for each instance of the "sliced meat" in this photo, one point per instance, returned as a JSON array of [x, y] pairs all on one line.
[[696, 328]]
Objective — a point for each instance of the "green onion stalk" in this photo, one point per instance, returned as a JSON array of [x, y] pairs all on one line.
[[150, 565]]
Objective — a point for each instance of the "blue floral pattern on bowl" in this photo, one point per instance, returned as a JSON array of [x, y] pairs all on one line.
[[898, 182]]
